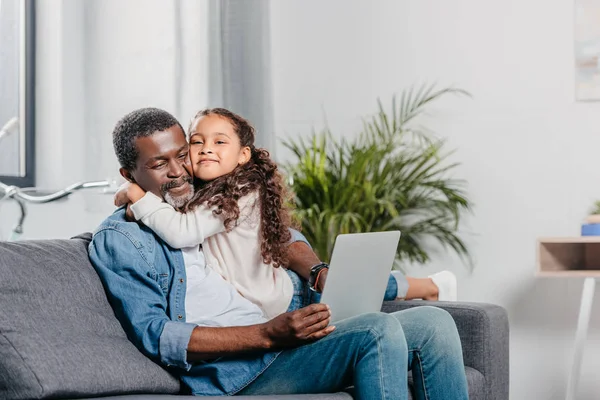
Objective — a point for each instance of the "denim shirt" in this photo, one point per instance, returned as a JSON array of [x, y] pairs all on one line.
[[145, 283]]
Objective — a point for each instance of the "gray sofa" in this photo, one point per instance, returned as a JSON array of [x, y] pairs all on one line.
[[59, 337]]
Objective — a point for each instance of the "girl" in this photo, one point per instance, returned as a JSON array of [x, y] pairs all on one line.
[[238, 213]]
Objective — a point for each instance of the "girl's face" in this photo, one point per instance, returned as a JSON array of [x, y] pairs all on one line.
[[215, 148]]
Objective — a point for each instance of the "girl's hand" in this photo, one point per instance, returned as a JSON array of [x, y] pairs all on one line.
[[121, 197], [128, 193], [135, 193]]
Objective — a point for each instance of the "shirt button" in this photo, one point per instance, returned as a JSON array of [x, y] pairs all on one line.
[[180, 316], [181, 280]]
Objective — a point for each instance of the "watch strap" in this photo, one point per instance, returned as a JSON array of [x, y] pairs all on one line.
[[315, 271]]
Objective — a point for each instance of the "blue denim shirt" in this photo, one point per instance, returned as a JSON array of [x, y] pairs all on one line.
[[145, 283]]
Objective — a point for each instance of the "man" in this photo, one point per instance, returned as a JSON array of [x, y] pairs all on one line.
[[148, 285]]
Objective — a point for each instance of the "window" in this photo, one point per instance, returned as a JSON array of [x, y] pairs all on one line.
[[17, 55]]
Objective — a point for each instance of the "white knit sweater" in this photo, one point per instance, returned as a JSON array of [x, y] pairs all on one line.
[[235, 255]]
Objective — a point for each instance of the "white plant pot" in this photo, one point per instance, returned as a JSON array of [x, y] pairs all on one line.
[[593, 219]]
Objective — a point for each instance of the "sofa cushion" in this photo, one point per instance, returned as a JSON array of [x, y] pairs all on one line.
[[58, 334]]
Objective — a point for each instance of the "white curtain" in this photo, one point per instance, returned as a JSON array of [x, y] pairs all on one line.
[[139, 53], [240, 63], [181, 56]]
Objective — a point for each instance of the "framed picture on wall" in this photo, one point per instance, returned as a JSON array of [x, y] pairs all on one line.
[[587, 50], [17, 74]]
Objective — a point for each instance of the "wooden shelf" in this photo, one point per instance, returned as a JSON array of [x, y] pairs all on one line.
[[569, 257], [569, 274], [575, 239]]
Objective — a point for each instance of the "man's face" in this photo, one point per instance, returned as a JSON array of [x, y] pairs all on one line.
[[162, 166]]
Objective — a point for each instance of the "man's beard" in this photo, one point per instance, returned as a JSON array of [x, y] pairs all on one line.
[[178, 201]]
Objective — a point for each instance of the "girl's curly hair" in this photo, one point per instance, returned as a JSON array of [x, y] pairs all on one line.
[[259, 174]]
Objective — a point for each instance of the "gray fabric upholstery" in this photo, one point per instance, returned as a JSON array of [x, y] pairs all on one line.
[[58, 333], [484, 334], [59, 337]]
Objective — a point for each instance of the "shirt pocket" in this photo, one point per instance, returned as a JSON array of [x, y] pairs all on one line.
[[163, 282]]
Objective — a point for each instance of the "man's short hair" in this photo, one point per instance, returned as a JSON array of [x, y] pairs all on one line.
[[139, 123]]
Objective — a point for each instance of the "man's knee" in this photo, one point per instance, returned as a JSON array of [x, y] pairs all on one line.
[[384, 327], [438, 325], [437, 317]]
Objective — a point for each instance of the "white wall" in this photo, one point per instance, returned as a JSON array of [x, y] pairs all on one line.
[[97, 61], [527, 149]]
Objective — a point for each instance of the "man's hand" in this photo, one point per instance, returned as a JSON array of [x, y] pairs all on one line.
[[287, 330], [299, 327]]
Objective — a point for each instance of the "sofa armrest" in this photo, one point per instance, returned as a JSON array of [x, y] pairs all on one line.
[[484, 335]]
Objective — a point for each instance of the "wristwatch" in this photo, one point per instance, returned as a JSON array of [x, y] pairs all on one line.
[[314, 275]]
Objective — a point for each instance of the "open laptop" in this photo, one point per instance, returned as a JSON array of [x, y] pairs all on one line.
[[358, 273]]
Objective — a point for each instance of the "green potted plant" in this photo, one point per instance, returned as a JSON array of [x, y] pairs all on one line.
[[594, 214], [393, 176]]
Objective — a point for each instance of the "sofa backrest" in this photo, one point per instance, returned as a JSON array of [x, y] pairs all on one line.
[[58, 334]]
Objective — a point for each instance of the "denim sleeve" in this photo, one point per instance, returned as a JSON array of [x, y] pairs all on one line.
[[397, 286], [138, 300], [173, 344], [298, 237]]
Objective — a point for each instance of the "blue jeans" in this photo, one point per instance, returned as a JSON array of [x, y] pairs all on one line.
[[373, 352]]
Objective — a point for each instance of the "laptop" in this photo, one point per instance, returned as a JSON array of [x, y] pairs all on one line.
[[358, 273]]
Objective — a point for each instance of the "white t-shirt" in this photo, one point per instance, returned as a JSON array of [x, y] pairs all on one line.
[[212, 301]]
